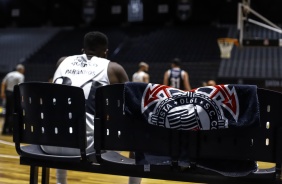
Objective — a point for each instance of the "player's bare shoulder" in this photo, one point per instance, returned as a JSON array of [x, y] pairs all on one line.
[[116, 73], [60, 61]]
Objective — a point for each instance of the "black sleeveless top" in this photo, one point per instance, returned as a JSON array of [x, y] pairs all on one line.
[[175, 78]]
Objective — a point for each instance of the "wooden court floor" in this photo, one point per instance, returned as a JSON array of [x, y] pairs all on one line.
[[11, 172]]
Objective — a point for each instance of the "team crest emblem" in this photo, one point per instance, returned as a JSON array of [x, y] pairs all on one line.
[[204, 108]]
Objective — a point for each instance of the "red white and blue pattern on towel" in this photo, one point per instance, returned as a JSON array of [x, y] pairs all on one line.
[[204, 108]]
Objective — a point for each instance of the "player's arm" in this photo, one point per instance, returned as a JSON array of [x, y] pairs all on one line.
[[116, 73], [146, 78], [3, 88], [165, 82], [57, 72], [186, 81], [60, 61]]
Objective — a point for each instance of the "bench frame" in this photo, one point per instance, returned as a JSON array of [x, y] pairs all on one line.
[[110, 117]]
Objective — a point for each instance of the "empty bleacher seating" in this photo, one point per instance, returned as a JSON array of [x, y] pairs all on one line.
[[153, 44]]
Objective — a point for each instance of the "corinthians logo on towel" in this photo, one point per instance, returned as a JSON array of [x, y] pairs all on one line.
[[198, 109]]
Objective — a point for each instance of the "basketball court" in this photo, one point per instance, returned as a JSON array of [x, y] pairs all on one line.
[[251, 53], [11, 172]]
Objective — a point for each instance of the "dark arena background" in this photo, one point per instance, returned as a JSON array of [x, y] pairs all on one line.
[[37, 33]]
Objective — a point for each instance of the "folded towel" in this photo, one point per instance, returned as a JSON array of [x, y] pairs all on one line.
[[205, 108]]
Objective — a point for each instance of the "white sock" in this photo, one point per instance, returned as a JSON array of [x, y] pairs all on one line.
[[61, 176], [134, 180]]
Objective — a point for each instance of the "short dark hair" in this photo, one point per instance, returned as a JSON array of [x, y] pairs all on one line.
[[95, 41], [176, 61]]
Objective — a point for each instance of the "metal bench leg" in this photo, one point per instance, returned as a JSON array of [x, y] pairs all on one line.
[[33, 175], [45, 175]]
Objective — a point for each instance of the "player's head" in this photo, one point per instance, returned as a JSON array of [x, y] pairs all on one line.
[[211, 83], [143, 66], [20, 68], [176, 62], [95, 43]]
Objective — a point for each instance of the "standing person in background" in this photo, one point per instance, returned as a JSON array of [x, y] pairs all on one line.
[[7, 87], [141, 75], [176, 77], [204, 83], [88, 71], [211, 83]]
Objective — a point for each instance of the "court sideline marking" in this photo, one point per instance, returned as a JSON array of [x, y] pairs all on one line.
[[9, 144], [9, 156]]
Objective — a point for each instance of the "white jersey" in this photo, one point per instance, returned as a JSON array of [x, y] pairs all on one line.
[[78, 71], [138, 76], [12, 79]]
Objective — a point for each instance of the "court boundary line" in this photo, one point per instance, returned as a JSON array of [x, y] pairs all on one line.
[[7, 143], [9, 156]]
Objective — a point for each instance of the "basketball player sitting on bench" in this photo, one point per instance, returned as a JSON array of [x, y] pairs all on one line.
[[88, 71]]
